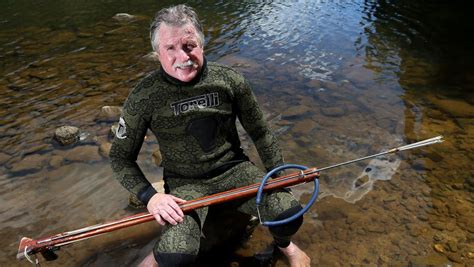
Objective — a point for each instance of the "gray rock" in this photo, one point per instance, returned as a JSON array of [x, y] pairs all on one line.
[[109, 113], [67, 135]]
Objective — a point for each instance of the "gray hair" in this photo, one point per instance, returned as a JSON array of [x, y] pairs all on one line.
[[179, 15]]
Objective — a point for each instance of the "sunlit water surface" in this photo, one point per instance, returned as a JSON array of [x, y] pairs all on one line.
[[337, 80]]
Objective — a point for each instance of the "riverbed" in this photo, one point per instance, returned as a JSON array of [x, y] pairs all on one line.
[[337, 80]]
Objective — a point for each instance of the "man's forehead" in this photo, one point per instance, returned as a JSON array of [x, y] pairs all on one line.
[[173, 32]]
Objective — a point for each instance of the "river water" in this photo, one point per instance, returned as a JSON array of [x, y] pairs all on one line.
[[337, 80]]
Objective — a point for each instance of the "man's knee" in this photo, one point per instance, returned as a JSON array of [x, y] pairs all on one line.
[[179, 244], [283, 233]]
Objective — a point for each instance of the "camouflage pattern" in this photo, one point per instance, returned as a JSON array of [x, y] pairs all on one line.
[[184, 237], [195, 128], [193, 123]]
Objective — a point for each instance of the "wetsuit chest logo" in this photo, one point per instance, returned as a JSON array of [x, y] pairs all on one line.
[[195, 102]]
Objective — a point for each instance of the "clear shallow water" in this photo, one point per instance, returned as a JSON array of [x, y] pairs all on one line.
[[337, 80]]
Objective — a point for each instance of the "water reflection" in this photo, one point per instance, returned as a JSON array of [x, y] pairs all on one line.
[[337, 80]]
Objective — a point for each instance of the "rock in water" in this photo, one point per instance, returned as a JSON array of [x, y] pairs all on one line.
[[439, 248], [109, 113], [157, 157], [67, 135], [123, 17], [113, 130], [104, 149]]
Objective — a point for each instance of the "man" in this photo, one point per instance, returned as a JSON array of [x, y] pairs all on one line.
[[191, 106]]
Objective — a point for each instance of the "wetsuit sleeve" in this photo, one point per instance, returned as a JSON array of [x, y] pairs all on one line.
[[251, 117], [126, 146]]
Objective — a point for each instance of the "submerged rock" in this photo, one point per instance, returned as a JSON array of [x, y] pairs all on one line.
[[113, 130], [44, 74], [104, 149], [333, 111], [296, 111], [157, 157], [123, 17], [4, 158], [56, 161], [455, 257], [458, 108], [83, 154], [67, 135], [439, 248], [32, 163], [152, 57], [109, 113]]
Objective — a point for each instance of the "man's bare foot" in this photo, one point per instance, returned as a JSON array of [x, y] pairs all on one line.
[[296, 256], [149, 261]]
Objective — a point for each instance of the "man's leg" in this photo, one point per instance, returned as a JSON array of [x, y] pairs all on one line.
[[178, 245], [277, 205]]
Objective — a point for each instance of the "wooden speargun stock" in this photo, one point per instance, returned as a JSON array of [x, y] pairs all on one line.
[[47, 245]]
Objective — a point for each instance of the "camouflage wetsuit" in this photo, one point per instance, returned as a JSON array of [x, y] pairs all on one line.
[[194, 124]]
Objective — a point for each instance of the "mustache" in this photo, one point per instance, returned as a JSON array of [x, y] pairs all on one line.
[[185, 64]]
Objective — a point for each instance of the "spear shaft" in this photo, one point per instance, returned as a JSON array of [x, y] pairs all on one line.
[[47, 245]]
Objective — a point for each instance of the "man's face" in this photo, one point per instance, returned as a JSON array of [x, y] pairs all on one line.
[[179, 51]]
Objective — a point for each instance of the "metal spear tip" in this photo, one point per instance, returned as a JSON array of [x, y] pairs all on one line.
[[427, 142]]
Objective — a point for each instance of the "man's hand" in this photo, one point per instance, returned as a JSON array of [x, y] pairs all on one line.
[[165, 208]]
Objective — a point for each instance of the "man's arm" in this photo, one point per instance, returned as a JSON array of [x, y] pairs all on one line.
[[125, 149], [251, 117], [128, 141]]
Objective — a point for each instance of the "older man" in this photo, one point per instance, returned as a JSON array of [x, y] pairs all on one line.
[[191, 106]]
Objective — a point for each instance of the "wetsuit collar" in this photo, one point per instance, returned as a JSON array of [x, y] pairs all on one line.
[[194, 81]]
